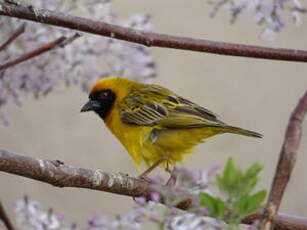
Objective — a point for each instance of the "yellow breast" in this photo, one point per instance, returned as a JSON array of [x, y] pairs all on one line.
[[137, 140], [131, 136]]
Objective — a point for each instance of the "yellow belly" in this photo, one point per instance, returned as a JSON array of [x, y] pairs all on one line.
[[142, 147]]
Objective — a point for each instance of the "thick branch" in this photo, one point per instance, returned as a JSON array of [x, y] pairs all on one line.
[[13, 36], [281, 221], [147, 38], [286, 163], [60, 175]]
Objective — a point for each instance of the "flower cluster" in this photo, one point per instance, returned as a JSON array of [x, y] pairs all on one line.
[[267, 13], [125, 222], [190, 182], [32, 216], [82, 62]]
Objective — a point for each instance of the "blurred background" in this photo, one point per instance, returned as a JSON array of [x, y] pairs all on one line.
[[254, 94]]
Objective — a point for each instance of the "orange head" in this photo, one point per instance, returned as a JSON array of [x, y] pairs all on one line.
[[105, 93]]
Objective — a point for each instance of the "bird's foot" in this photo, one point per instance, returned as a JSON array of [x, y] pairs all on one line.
[[172, 180], [173, 177], [144, 176]]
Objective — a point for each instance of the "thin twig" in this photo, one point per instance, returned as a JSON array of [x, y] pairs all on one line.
[[59, 42], [46, 47], [286, 163], [4, 217], [13, 36], [70, 39], [60, 175], [146, 38]]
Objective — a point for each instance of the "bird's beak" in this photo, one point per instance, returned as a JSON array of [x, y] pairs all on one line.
[[91, 105]]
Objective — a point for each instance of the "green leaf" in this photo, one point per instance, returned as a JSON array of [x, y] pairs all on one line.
[[249, 185], [248, 204], [236, 186], [250, 178], [240, 206], [215, 205], [228, 181], [255, 201], [253, 170]]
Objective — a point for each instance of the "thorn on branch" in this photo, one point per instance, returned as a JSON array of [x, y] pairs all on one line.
[[70, 39], [57, 163], [13, 36]]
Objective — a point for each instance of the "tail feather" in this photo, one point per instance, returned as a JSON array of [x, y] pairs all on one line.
[[232, 129], [236, 130]]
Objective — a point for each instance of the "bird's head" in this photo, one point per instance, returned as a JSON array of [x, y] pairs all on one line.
[[101, 99]]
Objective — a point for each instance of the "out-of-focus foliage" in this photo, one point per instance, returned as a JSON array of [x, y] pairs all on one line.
[[82, 62], [269, 14], [237, 200]]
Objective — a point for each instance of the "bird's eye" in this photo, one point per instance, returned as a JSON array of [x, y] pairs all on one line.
[[104, 95]]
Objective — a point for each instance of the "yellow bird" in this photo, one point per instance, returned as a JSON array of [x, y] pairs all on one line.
[[156, 125]]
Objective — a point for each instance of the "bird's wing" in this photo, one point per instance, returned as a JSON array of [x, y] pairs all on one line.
[[154, 105]]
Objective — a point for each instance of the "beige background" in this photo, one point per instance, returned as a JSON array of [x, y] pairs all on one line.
[[254, 94]]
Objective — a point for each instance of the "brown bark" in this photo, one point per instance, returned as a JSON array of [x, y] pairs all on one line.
[[59, 42], [13, 36], [285, 164], [60, 175], [147, 38], [282, 221]]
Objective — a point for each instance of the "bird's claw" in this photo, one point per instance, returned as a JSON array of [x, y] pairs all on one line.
[[171, 182]]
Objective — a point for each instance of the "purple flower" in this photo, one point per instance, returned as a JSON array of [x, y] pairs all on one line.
[[155, 196], [267, 13], [31, 216], [191, 221], [140, 200]]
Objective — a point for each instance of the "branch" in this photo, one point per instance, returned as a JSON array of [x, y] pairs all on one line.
[[4, 217], [286, 163], [13, 36], [281, 222], [60, 175], [33, 53], [59, 42], [146, 38]]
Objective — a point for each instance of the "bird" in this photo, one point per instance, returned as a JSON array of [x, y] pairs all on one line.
[[155, 125]]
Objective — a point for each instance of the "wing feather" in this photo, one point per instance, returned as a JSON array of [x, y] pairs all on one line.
[[154, 105]]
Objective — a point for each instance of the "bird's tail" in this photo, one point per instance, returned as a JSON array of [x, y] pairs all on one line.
[[236, 130]]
